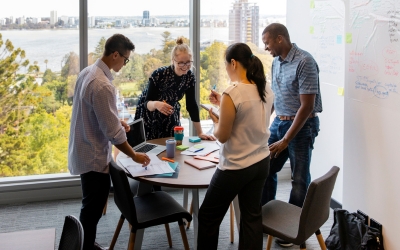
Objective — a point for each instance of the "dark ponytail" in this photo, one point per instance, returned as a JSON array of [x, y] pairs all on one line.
[[241, 52]]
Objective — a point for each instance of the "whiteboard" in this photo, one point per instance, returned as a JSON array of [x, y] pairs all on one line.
[[373, 47]]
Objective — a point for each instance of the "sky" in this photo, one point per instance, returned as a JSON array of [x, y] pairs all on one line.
[[42, 8]]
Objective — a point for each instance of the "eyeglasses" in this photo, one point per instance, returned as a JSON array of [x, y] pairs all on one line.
[[182, 64], [126, 59]]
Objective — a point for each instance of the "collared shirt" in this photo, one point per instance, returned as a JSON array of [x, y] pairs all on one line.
[[94, 123], [296, 75]]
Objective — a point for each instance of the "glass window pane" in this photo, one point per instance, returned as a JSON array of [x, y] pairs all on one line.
[[153, 27], [35, 96], [223, 23]]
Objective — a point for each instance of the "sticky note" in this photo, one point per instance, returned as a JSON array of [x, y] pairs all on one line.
[[182, 147], [349, 38], [194, 139], [339, 39], [312, 4], [311, 29], [198, 146], [340, 91]]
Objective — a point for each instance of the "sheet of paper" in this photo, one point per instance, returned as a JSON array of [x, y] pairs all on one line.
[[208, 148], [156, 166]]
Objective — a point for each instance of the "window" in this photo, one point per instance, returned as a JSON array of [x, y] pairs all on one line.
[[223, 23], [36, 85]]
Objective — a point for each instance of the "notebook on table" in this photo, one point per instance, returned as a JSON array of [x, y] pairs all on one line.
[[209, 106], [136, 138], [200, 164]]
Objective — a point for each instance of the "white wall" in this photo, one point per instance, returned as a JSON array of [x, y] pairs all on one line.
[[328, 147], [359, 132]]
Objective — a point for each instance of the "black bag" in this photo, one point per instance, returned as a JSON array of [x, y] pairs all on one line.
[[349, 232]]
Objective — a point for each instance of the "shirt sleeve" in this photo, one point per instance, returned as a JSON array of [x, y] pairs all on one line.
[[191, 105], [152, 92], [308, 76], [105, 109]]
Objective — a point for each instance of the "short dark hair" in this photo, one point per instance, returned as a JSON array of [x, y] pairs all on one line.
[[118, 42], [276, 29]]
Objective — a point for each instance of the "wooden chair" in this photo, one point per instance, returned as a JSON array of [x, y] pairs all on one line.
[[145, 211], [294, 224]]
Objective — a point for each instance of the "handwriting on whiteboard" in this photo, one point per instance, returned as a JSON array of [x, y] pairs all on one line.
[[379, 89]]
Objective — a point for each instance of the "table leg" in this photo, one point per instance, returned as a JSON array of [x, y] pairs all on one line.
[[237, 212], [195, 201], [143, 188], [185, 201], [139, 239]]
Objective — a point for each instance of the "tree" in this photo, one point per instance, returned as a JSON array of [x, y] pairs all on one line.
[[48, 76], [71, 66], [17, 90], [46, 61], [99, 50]]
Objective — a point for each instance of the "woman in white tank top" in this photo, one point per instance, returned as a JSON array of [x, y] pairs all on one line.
[[242, 127]]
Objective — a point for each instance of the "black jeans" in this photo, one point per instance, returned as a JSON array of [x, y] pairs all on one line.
[[247, 183], [95, 189]]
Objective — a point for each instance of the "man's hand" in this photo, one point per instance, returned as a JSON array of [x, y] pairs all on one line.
[[141, 158], [215, 98], [277, 147], [126, 126], [207, 137]]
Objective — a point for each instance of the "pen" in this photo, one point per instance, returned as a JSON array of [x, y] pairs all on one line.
[[198, 150], [145, 168], [214, 87], [167, 159]]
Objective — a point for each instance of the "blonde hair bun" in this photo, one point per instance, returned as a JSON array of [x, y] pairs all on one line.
[[179, 40]]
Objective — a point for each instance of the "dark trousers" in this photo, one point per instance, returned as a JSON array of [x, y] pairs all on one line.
[[95, 189], [299, 152], [225, 185]]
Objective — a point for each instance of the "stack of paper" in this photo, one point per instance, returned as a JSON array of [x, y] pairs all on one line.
[[201, 149], [156, 166]]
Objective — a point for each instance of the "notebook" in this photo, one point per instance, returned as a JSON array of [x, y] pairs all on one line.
[[200, 164], [137, 139], [214, 109]]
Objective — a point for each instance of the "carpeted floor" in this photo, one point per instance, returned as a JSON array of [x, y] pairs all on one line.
[[51, 214]]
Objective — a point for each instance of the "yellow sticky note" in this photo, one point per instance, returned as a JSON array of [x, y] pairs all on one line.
[[312, 4], [340, 91], [349, 38], [311, 29]]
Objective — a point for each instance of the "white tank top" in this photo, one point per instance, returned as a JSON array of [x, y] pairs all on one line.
[[248, 143]]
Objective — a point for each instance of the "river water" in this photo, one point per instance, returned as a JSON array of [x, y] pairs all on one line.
[[52, 45]]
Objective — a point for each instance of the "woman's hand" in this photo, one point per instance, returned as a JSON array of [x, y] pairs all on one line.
[[126, 126], [164, 108], [215, 98], [213, 117], [207, 137]]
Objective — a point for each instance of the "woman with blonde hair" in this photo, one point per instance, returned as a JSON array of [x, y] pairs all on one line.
[[159, 103]]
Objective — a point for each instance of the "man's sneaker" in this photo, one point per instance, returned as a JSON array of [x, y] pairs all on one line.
[[283, 243]]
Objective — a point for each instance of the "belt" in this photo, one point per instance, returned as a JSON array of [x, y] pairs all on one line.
[[291, 118]]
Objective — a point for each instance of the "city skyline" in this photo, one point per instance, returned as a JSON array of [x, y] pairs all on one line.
[[28, 8]]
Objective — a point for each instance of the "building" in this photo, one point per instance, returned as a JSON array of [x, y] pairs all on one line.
[[146, 18], [53, 17], [243, 22]]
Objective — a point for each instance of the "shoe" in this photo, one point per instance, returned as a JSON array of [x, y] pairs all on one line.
[[97, 246], [283, 243]]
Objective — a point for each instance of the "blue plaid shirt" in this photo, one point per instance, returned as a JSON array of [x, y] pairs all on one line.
[[94, 123], [296, 75]]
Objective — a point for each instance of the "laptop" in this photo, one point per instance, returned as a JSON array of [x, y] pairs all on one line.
[[137, 139]]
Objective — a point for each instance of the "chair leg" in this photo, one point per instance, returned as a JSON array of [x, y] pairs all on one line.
[[303, 246], [105, 208], [184, 238], [117, 230], [232, 221], [320, 240], [269, 242], [168, 235], [190, 212], [132, 238]]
